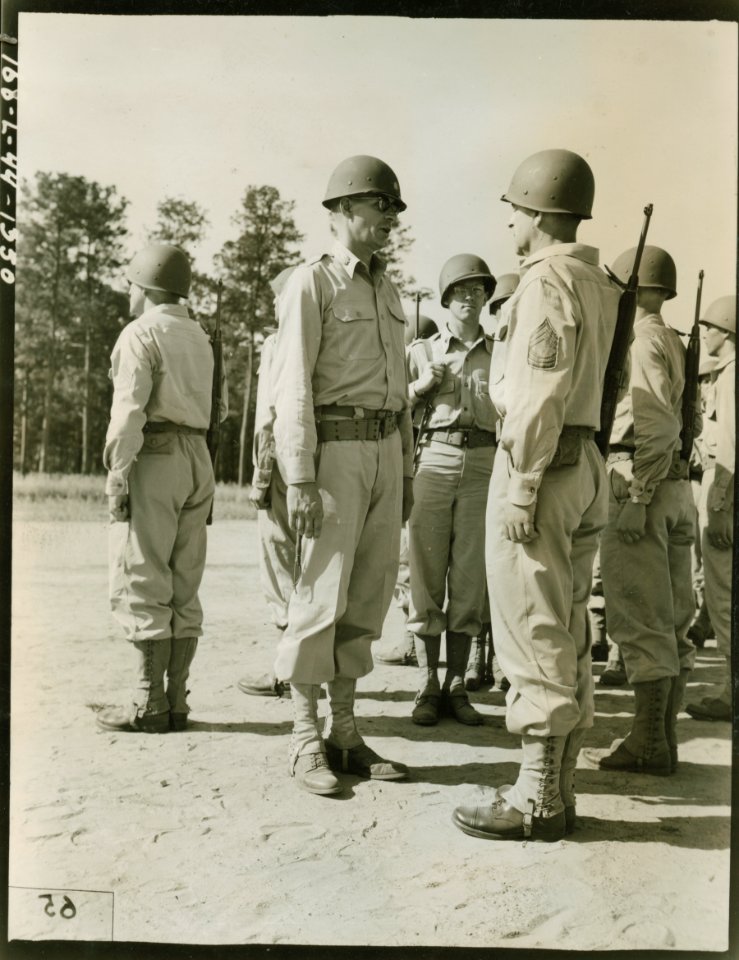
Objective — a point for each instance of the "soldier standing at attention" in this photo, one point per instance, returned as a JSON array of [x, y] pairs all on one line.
[[268, 491], [548, 496], [160, 487], [345, 449], [645, 549], [717, 499], [449, 371]]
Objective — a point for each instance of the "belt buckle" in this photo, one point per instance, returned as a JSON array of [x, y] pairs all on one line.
[[358, 413], [465, 438]]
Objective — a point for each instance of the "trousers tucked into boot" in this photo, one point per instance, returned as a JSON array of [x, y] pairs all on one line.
[[307, 753], [454, 695], [674, 705], [178, 670], [428, 698], [475, 672], [573, 743], [645, 749], [149, 712]]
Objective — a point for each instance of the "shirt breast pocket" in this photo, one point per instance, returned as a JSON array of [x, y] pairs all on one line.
[[358, 336]]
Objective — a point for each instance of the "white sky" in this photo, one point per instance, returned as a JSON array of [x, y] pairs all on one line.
[[201, 107]]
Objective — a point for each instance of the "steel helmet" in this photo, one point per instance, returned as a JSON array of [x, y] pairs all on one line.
[[464, 266], [722, 314], [426, 327], [657, 269], [553, 181], [161, 266], [362, 174], [505, 286]]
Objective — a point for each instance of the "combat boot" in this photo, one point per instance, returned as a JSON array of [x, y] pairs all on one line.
[[399, 654], [645, 749], [307, 752], [614, 674], [149, 712], [454, 697], [346, 750], [178, 670], [573, 743], [531, 809], [428, 698], [475, 673], [674, 705]]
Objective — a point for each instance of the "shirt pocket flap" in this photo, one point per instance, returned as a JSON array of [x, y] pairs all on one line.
[[348, 310], [396, 312]]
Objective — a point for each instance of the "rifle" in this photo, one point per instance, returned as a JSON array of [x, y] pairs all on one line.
[[621, 342], [213, 437], [690, 390], [418, 313]]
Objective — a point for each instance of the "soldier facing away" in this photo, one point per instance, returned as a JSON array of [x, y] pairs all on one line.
[[160, 487], [344, 447], [548, 495]]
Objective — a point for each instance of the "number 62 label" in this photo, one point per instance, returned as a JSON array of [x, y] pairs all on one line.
[[53, 914]]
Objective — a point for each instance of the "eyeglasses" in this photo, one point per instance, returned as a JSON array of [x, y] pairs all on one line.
[[381, 202], [469, 289]]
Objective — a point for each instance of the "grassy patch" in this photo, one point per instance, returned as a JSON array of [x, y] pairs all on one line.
[[70, 497]]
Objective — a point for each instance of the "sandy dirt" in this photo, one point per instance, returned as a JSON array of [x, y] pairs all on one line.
[[201, 837]]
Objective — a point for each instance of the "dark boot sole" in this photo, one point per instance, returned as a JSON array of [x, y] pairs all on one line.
[[517, 834]]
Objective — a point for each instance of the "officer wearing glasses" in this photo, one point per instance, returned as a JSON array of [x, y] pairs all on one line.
[[344, 447], [448, 373]]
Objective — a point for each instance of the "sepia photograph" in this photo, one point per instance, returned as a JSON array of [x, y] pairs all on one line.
[[369, 450]]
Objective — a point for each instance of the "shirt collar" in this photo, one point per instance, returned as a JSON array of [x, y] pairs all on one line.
[[650, 318], [446, 336], [580, 251], [723, 363], [350, 262], [174, 309]]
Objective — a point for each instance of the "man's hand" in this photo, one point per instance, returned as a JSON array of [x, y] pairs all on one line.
[[429, 380], [519, 523], [259, 496], [407, 498], [720, 532], [305, 509], [118, 508], [631, 521]]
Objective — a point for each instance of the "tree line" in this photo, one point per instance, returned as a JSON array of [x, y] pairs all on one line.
[[70, 309]]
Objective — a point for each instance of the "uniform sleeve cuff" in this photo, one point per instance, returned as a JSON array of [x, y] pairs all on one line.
[[523, 488], [300, 469], [640, 492], [116, 484], [262, 478]]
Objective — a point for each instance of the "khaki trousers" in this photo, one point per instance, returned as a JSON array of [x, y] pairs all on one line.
[[348, 574], [156, 559], [447, 539], [539, 594], [648, 584], [717, 567], [276, 551]]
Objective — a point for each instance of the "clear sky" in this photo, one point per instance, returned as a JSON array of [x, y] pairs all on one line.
[[203, 106]]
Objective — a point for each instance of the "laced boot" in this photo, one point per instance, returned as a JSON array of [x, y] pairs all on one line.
[[487, 630], [475, 673], [178, 670], [428, 698], [573, 743], [345, 749], [454, 696], [531, 809], [645, 749], [674, 705], [149, 712], [307, 754], [614, 674]]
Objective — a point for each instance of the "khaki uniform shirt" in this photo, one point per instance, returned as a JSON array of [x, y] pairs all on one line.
[[561, 320], [162, 369], [649, 415], [263, 451], [722, 436], [463, 395], [340, 340]]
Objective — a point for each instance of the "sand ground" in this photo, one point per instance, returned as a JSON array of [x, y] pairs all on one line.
[[200, 837]]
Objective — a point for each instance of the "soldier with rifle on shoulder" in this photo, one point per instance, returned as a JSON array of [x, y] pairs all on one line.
[[645, 548]]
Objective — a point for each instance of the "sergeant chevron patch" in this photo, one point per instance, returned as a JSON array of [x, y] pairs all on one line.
[[543, 347]]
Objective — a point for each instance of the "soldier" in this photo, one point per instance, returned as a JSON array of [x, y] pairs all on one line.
[[717, 496], [449, 374], [548, 495], [345, 449], [483, 664], [276, 537], [160, 487], [645, 548], [403, 652]]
